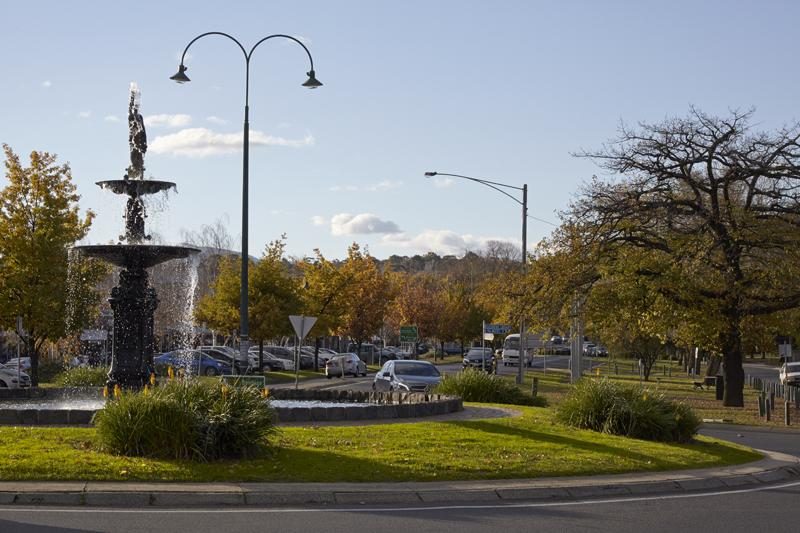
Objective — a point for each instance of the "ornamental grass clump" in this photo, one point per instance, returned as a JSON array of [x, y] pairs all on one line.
[[637, 412], [186, 420], [83, 376], [477, 386]]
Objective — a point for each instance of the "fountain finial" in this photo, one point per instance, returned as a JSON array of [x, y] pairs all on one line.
[[137, 137]]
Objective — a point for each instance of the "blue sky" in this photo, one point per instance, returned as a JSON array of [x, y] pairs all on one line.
[[501, 90]]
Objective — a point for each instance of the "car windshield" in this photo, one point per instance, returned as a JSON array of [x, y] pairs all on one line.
[[415, 369]]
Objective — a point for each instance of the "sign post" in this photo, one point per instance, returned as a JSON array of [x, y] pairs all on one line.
[[302, 325]]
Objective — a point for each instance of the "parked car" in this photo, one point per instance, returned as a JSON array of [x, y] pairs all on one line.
[[228, 356], [481, 358], [414, 376], [191, 361], [790, 374], [10, 378], [285, 363], [287, 352], [343, 364], [24, 363]]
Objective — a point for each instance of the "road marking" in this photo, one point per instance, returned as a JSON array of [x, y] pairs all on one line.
[[531, 505]]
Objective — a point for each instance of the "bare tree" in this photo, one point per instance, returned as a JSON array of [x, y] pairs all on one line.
[[719, 204]]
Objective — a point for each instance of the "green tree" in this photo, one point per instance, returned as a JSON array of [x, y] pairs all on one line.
[[39, 221], [717, 204]]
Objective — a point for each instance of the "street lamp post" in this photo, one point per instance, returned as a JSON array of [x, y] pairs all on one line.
[[311, 83], [524, 264]]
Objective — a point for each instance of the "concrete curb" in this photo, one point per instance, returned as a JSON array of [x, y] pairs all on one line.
[[774, 468]]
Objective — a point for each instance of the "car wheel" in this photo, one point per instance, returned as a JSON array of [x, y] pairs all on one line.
[[328, 376], [373, 386], [211, 371]]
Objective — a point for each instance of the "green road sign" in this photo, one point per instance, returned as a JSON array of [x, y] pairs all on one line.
[[408, 333], [244, 381]]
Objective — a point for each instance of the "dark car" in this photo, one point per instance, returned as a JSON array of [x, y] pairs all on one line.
[[480, 358], [191, 362], [225, 357]]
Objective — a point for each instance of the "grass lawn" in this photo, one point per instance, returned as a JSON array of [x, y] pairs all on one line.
[[528, 446]]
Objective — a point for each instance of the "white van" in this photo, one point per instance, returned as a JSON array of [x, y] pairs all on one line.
[[511, 349]]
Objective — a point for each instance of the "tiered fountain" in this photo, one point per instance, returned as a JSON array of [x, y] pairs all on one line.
[[133, 300]]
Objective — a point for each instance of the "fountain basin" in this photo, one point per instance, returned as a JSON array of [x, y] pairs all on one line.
[[141, 255], [64, 407]]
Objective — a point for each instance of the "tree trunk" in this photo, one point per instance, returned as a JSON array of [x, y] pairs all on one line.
[[317, 342], [731, 342]]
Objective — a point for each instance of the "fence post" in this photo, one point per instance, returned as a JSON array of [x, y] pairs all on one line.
[[786, 413], [535, 386], [761, 405]]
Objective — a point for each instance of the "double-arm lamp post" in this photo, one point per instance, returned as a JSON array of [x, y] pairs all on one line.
[[311, 83], [524, 203]]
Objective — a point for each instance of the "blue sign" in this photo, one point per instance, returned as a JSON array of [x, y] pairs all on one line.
[[497, 329]]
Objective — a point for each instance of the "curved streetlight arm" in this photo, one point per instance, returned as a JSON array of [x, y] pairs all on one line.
[[491, 184], [244, 52], [295, 39]]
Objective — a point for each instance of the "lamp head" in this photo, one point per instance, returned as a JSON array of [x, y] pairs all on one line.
[[180, 76], [312, 82], [430, 174]]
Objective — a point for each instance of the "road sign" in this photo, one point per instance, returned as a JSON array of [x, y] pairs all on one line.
[[408, 334], [497, 329], [302, 324], [244, 381]]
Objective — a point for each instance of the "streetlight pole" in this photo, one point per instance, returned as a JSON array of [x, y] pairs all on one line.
[[311, 83], [524, 263]]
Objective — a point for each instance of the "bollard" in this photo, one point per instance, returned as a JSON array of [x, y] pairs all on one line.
[[772, 400], [761, 406], [720, 387], [616, 368], [786, 413], [767, 412], [535, 386]]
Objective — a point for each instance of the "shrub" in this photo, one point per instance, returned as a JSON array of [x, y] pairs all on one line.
[[477, 386], [186, 420], [608, 407], [83, 376], [48, 370]]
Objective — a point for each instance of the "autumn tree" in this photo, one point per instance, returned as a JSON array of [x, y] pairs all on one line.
[[419, 302], [366, 302], [39, 222], [717, 203], [325, 286], [272, 294]]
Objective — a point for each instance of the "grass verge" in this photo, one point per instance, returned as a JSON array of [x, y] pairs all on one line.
[[528, 446]]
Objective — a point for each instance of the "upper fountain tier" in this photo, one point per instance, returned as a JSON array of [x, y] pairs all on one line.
[[136, 255], [136, 187]]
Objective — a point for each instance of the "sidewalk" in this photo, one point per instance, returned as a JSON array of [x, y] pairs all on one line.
[[773, 468]]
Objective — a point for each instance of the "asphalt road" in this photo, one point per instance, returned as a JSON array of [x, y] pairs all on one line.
[[771, 509]]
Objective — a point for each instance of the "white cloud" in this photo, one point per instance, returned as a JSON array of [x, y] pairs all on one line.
[[170, 121], [216, 120], [47, 84], [442, 241], [111, 118], [85, 114], [202, 142], [364, 223], [319, 220], [442, 182], [385, 185]]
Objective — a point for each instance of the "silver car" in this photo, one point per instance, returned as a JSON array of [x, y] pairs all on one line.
[[413, 376], [343, 364], [790, 374]]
